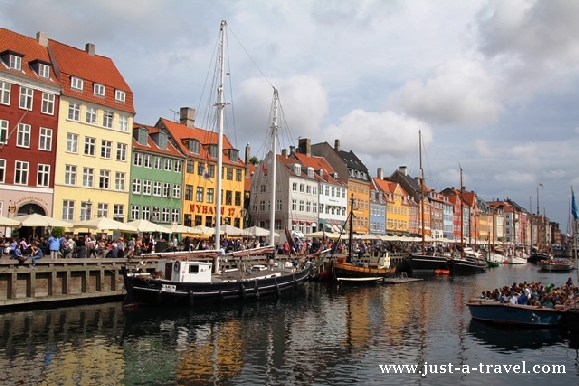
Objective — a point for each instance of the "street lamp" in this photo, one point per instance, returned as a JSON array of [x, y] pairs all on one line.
[[88, 209]]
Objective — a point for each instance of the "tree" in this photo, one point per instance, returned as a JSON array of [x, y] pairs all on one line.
[[253, 160]]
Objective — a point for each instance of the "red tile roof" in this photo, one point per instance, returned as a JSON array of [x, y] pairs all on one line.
[[92, 69], [152, 146], [318, 163], [31, 49]]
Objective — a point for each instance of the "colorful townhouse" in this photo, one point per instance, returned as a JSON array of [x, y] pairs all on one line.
[[156, 177], [29, 108], [94, 139], [397, 207], [200, 148]]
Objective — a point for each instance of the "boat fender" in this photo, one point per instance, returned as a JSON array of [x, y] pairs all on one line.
[[177, 266], [277, 290], [243, 293], [256, 289]]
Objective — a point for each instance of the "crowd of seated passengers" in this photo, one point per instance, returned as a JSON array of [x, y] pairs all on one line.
[[536, 294]]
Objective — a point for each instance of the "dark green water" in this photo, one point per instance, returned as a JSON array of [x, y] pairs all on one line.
[[322, 335]]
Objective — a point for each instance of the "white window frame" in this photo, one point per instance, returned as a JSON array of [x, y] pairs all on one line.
[[120, 96], [108, 118], [121, 151], [157, 188], [16, 62], [105, 179], [136, 186], [47, 103], [175, 215], [106, 149], [147, 161], [43, 175], [72, 143], [68, 210], [166, 189], [158, 163], [147, 185], [91, 115], [135, 212], [99, 89], [178, 166], [5, 88], [26, 98], [102, 210], [119, 212], [138, 159], [4, 131], [70, 175], [119, 181], [168, 164], [88, 177], [23, 135], [2, 170], [76, 83], [73, 112], [176, 191], [21, 172], [45, 139], [43, 70], [89, 146], [123, 123], [165, 215]]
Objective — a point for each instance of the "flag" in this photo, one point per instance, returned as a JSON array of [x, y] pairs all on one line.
[[263, 168], [574, 211]]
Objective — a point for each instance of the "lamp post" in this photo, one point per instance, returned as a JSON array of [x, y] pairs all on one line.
[[88, 209]]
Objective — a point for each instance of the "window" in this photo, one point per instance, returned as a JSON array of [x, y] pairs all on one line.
[[176, 191], [21, 173], [123, 123], [210, 195], [89, 146], [23, 136], [166, 189], [108, 119], [2, 170], [119, 212], [26, 95], [294, 204], [175, 215], [190, 163], [104, 180], [147, 187], [158, 162], [43, 70], [278, 205], [238, 175], [136, 186], [45, 140], [5, 93], [102, 210], [228, 197], [166, 215], [73, 111], [43, 175], [16, 62], [3, 131], [146, 212], [88, 177], [178, 166], [199, 195], [212, 171], [147, 161], [301, 205], [121, 151], [189, 192], [295, 186], [230, 174], [138, 159], [237, 199], [76, 83], [99, 89], [106, 149], [68, 210], [91, 115], [168, 164], [47, 103], [119, 96], [134, 212], [119, 181], [156, 188], [262, 206], [70, 175]]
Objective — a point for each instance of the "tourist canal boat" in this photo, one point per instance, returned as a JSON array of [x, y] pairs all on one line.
[[506, 313], [555, 265]]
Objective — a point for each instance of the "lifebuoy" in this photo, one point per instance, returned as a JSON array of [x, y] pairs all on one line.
[[177, 267]]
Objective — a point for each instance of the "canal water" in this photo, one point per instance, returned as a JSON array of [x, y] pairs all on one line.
[[322, 335]]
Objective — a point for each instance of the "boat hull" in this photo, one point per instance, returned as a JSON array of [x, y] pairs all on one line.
[[506, 313], [416, 263], [351, 271], [467, 266], [556, 267], [147, 291], [535, 258]]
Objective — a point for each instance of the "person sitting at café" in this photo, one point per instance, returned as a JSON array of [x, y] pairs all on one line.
[[35, 253]]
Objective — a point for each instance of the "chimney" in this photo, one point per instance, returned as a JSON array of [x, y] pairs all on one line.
[[403, 170], [187, 116], [305, 146], [90, 49], [247, 156], [284, 153], [337, 145], [292, 149], [380, 173], [42, 38]]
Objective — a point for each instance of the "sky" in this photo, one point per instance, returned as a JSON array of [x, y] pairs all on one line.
[[493, 86]]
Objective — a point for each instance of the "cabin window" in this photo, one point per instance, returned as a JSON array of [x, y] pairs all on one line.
[[193, 269]]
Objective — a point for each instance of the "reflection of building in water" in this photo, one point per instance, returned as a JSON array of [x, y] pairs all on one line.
[[68, 346], [357, 332]]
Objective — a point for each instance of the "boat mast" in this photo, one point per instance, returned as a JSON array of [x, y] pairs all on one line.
[[421, 189], [274, 128], [220, 106], [351, 229], [461, 217], [539, 221]]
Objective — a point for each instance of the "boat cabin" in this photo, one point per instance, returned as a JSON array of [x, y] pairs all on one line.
[[185, 271]]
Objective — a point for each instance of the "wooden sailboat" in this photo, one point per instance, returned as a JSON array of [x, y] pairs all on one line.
[[181, 281]]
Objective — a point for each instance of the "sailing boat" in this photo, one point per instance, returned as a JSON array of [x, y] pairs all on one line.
[[423, 262], [468, 261], [179, 281], [536, 255]]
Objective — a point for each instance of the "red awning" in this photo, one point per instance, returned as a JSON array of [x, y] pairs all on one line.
[[295, 221]]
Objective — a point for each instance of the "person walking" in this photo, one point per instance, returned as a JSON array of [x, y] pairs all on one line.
[[53, 246]]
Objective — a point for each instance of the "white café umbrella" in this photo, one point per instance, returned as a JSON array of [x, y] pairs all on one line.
[[37, 220], [8, 222], [257, 231], [203, 230], [230, 230], [104, 223], [145, 226], [178, 228]]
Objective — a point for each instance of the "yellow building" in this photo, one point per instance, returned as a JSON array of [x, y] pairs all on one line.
[[94, 136], [200, 173]]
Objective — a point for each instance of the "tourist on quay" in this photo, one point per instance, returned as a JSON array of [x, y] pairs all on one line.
[[70, 242], [131, 247], [53, 246], [35, 254], [24, 245], [90, 245], [19, 256]]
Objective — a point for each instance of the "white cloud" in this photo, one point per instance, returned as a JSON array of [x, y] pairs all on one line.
[[515, 177]]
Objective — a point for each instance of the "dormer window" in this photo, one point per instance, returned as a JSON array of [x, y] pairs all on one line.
[[43, 70], [99, 89], [194, 146], [16, 62], [76, 83], [233, 155], [310, 172], [298, 169], [119, 95]]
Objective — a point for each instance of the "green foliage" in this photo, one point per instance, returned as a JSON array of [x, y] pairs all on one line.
[[253, 160], [58, 231]]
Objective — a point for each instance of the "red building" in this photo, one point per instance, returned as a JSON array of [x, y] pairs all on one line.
[[29, 100]]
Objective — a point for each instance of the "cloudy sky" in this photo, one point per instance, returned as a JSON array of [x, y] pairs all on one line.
[[492, 85]]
